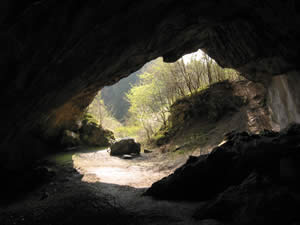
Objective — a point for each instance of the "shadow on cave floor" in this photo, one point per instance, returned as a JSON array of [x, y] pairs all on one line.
[[90, 187]]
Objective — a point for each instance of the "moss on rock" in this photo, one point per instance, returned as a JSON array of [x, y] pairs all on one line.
[[93, 134], [209, 104]]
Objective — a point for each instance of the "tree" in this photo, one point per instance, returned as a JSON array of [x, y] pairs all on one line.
[[162, 84], [208, 61], [147, 103], [100, 112]]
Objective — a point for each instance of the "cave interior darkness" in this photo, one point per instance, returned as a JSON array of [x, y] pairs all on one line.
[[56, 55]]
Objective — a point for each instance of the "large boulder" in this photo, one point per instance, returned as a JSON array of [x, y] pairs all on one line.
[[93, 134], [124, 147]]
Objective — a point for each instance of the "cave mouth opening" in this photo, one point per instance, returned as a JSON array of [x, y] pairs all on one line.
[[53, 51], [144, 106], [139, 104]]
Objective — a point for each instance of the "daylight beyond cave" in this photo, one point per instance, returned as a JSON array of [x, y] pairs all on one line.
[[227, 118]]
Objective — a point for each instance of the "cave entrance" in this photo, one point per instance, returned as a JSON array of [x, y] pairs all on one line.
[[174, 110], [138, 105]]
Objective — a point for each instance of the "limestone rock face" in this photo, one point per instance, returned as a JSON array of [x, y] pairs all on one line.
[[124, 147], [56, 55]]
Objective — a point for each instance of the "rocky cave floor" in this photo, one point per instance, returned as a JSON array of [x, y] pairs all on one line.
[[249, 180], [91, 187]]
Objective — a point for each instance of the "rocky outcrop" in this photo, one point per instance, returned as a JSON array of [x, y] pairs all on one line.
[[243, 99], [256, 201], [251, 179], [56, 55], [86, 132], [229, 164], [92, 134], [125, 147]]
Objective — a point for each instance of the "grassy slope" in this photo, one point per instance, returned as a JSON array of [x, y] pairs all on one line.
[[199, 122]]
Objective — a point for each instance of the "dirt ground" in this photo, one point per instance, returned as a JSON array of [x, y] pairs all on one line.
[[91, 187]]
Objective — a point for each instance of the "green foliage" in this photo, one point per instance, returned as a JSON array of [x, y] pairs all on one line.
[[160, 138], [98, 113], [209, 105], [114, 96], [127, 131], [173, 90], [89, 118], [162, 97]]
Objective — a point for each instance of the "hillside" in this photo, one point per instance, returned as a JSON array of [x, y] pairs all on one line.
[[114, 96], [198, 122]]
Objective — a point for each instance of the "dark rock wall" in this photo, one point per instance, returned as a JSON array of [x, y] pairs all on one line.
[[55, 55], [246, 180]]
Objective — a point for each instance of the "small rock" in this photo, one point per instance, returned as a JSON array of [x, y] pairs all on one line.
[[177, 147], [147, 151], [127, 157]]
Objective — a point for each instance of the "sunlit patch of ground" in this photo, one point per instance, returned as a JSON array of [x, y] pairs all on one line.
[[91, 187], [126, 181], [139, 172]]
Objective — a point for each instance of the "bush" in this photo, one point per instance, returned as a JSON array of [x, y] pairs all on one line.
[[89, 118], [160, 139]]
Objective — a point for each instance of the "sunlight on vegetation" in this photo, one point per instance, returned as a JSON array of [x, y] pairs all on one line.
[[155, 89]]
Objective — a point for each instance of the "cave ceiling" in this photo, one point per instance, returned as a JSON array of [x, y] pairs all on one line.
[[56, 54]]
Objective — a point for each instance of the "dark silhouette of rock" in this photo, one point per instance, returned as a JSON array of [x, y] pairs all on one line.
[[210, 222], [92, 134], [19, 183], [256, 201], [70, 139], [230, 164], [125, 147]]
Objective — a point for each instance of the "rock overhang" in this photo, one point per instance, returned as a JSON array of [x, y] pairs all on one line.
[[55, 55]]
